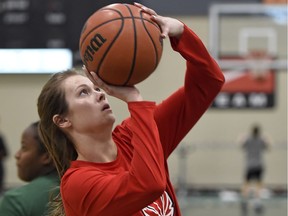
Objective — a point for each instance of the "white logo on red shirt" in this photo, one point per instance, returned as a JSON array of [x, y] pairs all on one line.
[[161, 207]]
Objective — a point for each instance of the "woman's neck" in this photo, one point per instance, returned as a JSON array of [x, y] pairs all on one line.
[[96, 149]]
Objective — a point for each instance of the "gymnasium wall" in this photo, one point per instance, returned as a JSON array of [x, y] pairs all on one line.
[[213, 157]]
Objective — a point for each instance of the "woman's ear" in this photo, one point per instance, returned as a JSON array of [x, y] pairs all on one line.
[[46, 159], [61, 122]]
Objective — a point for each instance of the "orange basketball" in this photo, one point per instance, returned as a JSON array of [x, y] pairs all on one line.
[[121, 44]]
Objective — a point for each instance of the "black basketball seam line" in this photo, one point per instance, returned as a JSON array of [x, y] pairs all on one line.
[[154, 45], [99, 26], [109, 47], [123, 18], [133, 17], [135, 46]]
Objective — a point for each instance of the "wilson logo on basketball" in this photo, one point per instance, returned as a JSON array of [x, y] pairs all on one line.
[[162, 207], [95, 43]]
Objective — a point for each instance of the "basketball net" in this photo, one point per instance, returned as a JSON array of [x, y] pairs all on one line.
[[259, 64]]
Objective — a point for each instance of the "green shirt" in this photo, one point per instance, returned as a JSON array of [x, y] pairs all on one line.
[[30, 199]]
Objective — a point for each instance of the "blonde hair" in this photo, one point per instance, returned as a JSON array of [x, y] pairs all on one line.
[[52, 101], [55, 206]]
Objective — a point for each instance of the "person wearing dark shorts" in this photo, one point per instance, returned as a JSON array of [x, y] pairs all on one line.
[[254, 174], [254, 145]]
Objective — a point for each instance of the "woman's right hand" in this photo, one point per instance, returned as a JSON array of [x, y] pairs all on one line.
[[170, 27], [124, 93]]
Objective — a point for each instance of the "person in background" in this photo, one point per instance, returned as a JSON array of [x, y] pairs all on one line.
[[35, 167], [254, 145], [107, 171], [3, 156]]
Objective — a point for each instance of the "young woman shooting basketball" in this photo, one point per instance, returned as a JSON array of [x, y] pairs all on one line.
[[124, 171]]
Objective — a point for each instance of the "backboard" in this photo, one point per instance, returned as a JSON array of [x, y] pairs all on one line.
[[249, 41]]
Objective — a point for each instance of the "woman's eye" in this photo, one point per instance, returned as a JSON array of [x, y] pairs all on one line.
[[23, 148], [97, 89], [84, 92]]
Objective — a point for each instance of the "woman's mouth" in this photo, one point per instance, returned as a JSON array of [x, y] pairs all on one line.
[[105, 107]]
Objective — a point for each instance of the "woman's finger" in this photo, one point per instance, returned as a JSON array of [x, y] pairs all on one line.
[[87, 73], [145, 9]]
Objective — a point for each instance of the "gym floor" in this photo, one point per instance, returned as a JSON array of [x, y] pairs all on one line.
[[215, 205]]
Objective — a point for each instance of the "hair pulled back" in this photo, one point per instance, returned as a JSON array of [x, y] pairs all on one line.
[[52, 101]]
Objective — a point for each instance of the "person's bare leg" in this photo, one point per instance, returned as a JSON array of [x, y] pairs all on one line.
[[258, 204], [245, 190], [259, 187]]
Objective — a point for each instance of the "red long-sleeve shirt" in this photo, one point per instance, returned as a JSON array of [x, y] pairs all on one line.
[[137, 182]]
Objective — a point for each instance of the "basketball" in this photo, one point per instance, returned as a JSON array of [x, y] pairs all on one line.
[[121, 44]]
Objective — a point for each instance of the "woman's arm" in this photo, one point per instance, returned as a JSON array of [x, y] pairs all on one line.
[[176, 115]]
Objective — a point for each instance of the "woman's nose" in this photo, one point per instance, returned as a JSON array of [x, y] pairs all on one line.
[[17, 155], [101, 96]]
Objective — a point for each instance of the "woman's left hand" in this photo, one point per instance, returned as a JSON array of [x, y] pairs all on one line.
[[124, 93]]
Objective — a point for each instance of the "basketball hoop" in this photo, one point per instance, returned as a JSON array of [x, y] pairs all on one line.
[[259, 64], [275, 1]]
